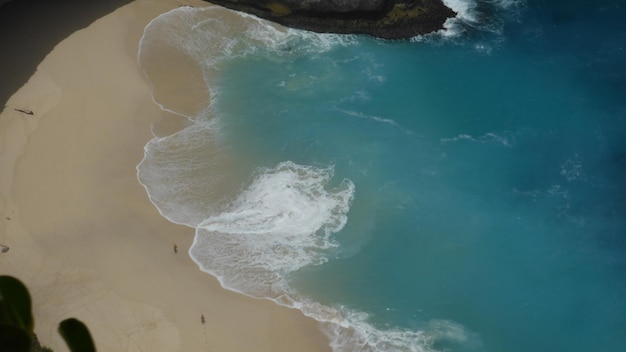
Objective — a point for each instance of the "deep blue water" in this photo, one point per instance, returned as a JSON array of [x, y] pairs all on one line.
[[459, 193]]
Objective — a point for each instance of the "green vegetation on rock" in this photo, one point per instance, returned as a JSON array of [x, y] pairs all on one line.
[[17, 323]]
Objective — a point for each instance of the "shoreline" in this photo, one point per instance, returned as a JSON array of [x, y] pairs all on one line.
[[83, 235]]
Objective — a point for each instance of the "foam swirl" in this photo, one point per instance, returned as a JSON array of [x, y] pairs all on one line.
[[283, 221]]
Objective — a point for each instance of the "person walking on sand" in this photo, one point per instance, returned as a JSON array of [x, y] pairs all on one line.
[[202, 318], [175, 248]]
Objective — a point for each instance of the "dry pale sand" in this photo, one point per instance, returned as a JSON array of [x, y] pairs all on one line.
[[82, 233]]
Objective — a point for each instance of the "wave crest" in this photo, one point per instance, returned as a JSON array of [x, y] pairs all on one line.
[[483, 20]]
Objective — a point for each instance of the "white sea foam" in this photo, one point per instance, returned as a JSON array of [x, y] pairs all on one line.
[[465, 9], [489, 137], [378, 119], [356, 333], [476, 16], [280, 41], [283, 221], [183, 170], [572, 169]]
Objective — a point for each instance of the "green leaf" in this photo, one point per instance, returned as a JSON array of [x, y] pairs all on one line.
[[76, 335], [15, 304], [14, 339]]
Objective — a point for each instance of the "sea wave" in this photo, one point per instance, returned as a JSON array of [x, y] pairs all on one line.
[[435, 335], [252, 233]]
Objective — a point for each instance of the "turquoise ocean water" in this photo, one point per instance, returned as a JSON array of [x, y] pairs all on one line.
[[461, 191]]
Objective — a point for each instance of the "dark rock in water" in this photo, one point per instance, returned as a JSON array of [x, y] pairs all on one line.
[[390, 19]]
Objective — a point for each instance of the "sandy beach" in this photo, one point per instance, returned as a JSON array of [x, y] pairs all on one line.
[[82, 233]]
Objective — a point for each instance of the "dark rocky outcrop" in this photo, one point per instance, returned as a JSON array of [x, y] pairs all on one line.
[[391, 19]]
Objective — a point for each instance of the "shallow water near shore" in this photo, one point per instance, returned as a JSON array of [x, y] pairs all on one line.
[[461, 191]]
